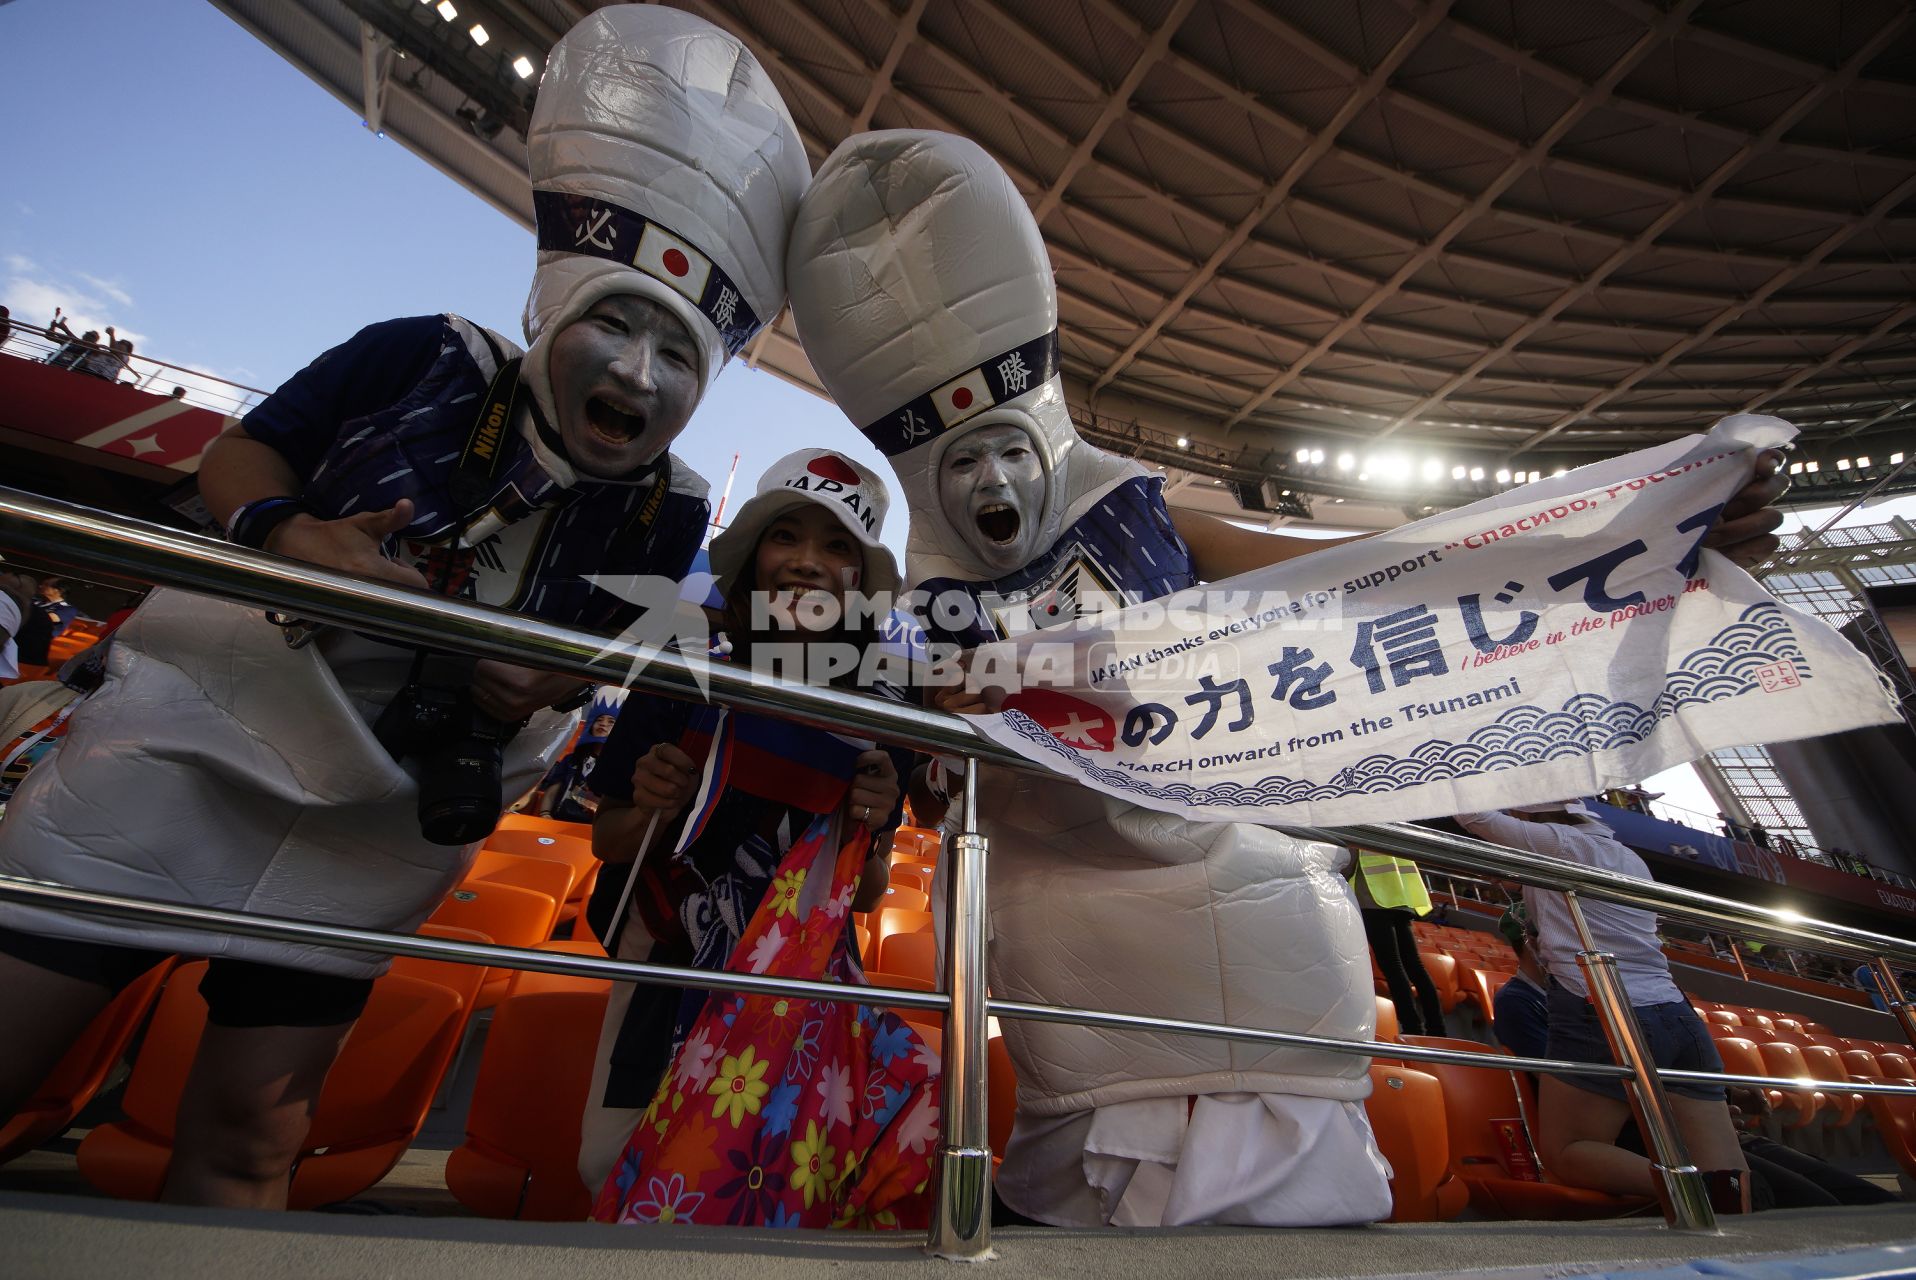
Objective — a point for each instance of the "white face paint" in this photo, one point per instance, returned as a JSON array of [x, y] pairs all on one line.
[[991, 486]]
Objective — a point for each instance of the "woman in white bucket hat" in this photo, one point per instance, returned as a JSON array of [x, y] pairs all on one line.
[[805, 582]]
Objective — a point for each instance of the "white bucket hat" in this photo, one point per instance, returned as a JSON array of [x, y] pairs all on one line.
[[663, 164], [922, 291], [826, 477]]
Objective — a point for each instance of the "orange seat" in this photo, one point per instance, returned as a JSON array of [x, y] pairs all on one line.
[[1406, 1111], [84, 1068], [549, 876], [1443, 974], [913, 955], [1740, 1058], [1724, 1018], [1895, 1065], [1480, 1103], [884, 923], [917, 842], [1387, 1027], [867, 956], [520, 1158], [899, 982], [1785, 1059], [1789, 1027], [575, 852], [512, 916], [903, 898], [914, 876], [372, 1103], [1895, 1118], [1825, 1063], [1763, 1020], [544, 826]]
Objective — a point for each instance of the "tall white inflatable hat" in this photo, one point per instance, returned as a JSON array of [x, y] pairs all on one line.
[[663, 164], [923, 294]]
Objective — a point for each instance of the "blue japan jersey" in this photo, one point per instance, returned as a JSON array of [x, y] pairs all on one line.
[[386, 416], [1121, 552]]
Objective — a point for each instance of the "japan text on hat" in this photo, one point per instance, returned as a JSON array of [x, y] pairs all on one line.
[[663, 164], [922, 290], [850, 492]]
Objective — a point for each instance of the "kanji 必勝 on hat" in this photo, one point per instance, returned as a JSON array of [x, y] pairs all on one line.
[[663, 164], [922, 291], [828, 478]]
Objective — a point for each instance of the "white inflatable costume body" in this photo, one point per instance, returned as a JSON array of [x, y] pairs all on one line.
[[217, 766], [917, 273]]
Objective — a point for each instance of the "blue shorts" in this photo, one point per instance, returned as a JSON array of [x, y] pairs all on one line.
[[1677, 1038]]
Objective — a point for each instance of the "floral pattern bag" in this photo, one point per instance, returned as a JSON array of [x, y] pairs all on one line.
[[787, 1112]]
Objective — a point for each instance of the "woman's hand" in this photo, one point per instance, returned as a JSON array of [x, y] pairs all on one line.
[[511, 694], [961, 701], [1745, 532], [874, 792], [663, 780]]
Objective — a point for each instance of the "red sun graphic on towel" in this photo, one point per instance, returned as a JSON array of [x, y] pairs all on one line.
[[675, 262], [961, 398], [833, 468], [1072, 721]]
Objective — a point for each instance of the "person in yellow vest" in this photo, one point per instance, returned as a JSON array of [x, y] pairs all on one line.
[[1391, 894]]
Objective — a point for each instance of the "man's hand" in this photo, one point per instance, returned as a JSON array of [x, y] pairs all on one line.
[[663, 780], [960, 701], [874, 792], [351, 545], [511, 694], [1745, 530]]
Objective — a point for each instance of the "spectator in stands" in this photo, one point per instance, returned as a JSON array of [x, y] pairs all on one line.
[[563, 791], [48, 615], [52, 601], [74, 352], [6, 325], [178, 393], [110, 361], [1391, 894], [1580, 1117], [259, 784], [1759, 836], [786, 565], [1521, 1008]]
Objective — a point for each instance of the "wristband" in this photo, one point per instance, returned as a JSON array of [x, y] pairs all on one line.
[[255, 521]]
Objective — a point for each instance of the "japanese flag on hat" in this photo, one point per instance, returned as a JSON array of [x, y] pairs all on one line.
[[923, 293], [664, 164], [830, 479]]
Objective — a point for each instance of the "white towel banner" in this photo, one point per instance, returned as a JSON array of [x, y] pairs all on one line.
[[1554, 640]]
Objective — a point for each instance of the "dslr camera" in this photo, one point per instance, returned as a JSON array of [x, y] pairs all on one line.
[[458, 748]]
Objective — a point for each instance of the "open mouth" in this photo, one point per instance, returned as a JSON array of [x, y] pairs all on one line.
[[611, 424], [999, 523]]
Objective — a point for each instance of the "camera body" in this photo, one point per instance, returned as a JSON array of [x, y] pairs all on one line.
[[459, 749]]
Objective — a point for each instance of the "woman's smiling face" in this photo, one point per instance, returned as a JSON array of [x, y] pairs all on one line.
[[806, 551], [625, 379]]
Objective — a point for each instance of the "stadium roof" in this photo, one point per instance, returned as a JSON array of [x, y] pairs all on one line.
[[1505, 234]]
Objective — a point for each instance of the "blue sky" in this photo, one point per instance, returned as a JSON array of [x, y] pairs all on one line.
[[170, 175]]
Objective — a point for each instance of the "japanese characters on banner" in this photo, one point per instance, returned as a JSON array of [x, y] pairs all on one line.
[[1557, 639]]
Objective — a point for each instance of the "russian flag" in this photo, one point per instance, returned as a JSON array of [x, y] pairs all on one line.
[[788, 763]]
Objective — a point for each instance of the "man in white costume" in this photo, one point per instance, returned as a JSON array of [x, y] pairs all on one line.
[[222, 767], [923, 292]]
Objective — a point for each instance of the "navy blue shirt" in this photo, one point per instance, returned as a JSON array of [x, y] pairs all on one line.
[[386, 415], [1522, 1018]]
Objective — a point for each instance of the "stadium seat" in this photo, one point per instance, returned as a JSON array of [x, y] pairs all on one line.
[[1824, 1063], [914, 876], [1784, 1059], [1406, 1111], [520, 1158], [1723, 1018], [372, 1104], [510, 915], [1485, 1109], [913, 955], [544, 875], [87, 1063], [1443, 973], [574, 852], [1895, 1064], [885, 923], [1895, 1118], [544, 826], [1387, 1027], [903, 897], [1740, 1058]]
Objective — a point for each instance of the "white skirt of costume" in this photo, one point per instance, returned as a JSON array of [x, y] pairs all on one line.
[[220, 768]]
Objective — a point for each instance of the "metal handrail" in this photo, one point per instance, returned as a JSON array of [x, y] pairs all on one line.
[[128, 551], [135, 553], [646, 973]]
